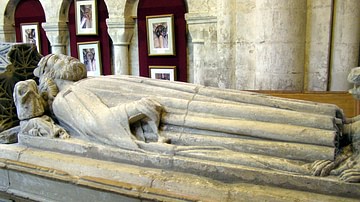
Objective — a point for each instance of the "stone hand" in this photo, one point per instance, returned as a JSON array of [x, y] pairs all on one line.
[[322, 167], [351, 175]]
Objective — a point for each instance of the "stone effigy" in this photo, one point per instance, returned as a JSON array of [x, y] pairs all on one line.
[[126, 112], [227, 135]]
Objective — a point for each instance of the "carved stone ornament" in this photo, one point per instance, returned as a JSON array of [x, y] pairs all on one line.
[[17, 62]]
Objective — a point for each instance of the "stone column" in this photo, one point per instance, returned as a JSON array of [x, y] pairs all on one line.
[[197, 36], [247, 44], [58, 35], [7, 33], [197, 25], [280, 48], [318, 41], [226, 29], [345, 45], [121, 32]]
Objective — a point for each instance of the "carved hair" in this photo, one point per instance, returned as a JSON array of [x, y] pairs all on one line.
[[73, 70]]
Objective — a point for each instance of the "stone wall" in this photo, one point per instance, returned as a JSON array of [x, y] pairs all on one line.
[[296, 45]]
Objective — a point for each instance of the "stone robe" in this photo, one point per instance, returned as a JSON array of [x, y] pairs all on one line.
[[253, 129]]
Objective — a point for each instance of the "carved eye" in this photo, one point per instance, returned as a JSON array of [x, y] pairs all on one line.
[[22, 90]]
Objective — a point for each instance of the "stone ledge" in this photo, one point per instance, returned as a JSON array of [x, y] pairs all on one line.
[[214, 171], [62, 177]]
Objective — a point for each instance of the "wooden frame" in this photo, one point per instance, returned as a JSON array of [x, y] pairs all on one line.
[[89, 54], [163, 72], [160, 35], [86, 17], [30, 34]]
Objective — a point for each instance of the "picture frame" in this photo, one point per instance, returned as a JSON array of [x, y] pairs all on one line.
[[89, 54], [160, 35], [163, 72], [30, 34], [86, 20]]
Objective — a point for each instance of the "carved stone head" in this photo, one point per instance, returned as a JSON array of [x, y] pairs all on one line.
[[28, 102], [60, 66]]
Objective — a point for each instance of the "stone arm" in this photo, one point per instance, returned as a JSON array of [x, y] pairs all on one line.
[[144, 119]]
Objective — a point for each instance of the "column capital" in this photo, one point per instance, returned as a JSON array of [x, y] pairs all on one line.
[[197, 23], [57, 33], [120, 30], [199, 18]]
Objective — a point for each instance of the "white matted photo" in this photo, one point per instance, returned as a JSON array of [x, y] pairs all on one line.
[[163, 72], [30, 34], [86, 17], [160, 35], [89, 54]]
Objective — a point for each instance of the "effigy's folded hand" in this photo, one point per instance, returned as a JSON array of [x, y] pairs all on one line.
[[351, 175], [322, 167], [350, 171], [145, 122]]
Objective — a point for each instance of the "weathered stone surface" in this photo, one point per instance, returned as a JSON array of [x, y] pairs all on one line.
[[46, 176], [225, 136], [184, 163], [9, 136], [345, 43]]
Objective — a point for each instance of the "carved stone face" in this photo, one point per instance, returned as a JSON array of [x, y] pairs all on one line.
[[60, 66], [27, 100]]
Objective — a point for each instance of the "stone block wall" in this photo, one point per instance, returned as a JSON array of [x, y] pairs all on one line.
[[293, 45]]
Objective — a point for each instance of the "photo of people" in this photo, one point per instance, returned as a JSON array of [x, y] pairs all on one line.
[[30, 36], [163, 72], [86, 16], [89, 54], [162, 76], [89, 59], [160, 35]]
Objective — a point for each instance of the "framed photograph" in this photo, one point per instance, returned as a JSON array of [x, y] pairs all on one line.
[[86, 17], [163, 72], [30, 34], [160, 35], [89, 54]]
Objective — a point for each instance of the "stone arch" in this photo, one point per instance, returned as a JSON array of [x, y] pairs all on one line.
[[130, 7], [9, 11], [56, 26], [8, 20], [64, 11]]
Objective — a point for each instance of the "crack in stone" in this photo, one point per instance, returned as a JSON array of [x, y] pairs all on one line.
[[21, 152], [187, 109]]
